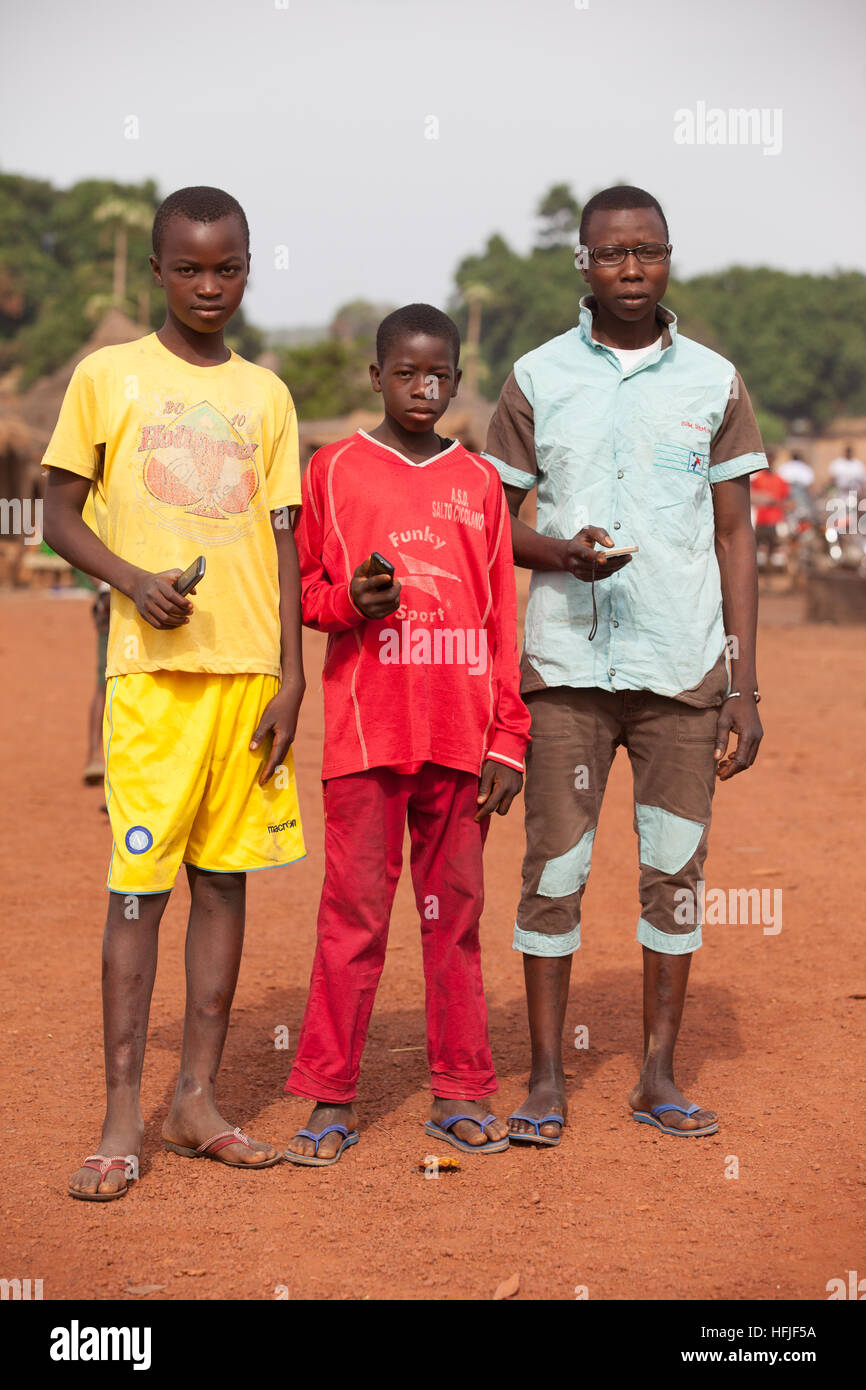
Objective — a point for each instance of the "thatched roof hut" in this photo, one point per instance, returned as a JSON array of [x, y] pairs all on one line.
[[40, 406], [19, 455], [15, 436], [26, 423]]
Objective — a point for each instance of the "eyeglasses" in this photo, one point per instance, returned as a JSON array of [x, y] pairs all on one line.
[[648, 253]]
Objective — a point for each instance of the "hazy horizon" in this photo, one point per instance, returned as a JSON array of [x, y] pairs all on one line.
[[317, 116]]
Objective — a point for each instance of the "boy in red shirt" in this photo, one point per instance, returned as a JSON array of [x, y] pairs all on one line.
[[421, 689], [770, 501]]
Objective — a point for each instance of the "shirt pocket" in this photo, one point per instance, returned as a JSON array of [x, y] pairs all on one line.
[[681, 498]]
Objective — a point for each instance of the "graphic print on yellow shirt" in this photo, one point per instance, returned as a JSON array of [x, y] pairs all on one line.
[[186, 460]]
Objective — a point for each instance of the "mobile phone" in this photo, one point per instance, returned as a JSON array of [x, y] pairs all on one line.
[[621, 550], [191, 577], [379, 565]]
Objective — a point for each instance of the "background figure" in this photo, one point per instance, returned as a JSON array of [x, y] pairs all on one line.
[[800, 477], [94, 769], [848, 472], [770, 500]]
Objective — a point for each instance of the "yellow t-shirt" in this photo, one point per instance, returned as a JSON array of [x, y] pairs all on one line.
[[186, 461]]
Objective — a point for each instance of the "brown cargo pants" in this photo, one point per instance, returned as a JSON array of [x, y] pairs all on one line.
[[575, 734]]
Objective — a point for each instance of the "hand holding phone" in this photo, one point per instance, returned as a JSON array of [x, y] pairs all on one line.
[[157, 599], [618, 550], [373, 589], [379, 565], [191, 576], [590, 554]]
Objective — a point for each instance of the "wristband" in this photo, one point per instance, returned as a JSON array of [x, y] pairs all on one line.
[[735, 695]]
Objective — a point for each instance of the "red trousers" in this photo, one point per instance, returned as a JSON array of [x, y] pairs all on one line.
[[365, 816]]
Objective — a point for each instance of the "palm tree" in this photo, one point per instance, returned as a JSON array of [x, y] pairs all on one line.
[[475, 296], [124, 215]]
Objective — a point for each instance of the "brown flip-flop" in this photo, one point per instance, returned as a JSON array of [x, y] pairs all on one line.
[[103, 1167], [211, 1147]]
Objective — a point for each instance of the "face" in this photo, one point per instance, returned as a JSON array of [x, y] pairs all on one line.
[[629, 291], [417, 380], [203, 268]]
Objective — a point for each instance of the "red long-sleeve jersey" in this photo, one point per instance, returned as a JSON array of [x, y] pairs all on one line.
[[437, 681]]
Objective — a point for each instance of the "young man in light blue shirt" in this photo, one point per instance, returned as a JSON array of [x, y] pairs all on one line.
[[635, 437]]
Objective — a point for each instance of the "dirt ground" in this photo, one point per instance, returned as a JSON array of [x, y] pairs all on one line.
[[773, 1040]]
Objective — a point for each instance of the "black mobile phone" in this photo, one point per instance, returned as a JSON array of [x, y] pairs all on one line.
[[191, 577], [379, 565]]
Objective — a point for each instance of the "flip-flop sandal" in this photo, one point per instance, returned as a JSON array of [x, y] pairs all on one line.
[[313, 1160], [211, 1147], [653, 1119], [103, 1167], [493, 1146], [548, 1141]]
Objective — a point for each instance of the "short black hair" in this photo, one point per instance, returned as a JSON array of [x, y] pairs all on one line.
[[197, 204], [624, 195], [416, 318]]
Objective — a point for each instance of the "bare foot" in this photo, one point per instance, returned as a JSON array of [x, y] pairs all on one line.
[[324, 1114]]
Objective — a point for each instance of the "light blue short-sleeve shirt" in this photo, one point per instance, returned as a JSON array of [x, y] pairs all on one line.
[[633, 451]]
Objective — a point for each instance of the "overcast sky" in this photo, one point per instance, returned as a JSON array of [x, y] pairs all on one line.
[[317, 115]]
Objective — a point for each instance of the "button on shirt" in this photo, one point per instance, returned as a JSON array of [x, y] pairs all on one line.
[[635, 448]]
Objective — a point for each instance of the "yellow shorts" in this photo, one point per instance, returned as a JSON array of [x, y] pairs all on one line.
[[181, 784]]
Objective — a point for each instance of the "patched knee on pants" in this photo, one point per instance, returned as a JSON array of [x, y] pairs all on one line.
[[568, 872], [667, 841]]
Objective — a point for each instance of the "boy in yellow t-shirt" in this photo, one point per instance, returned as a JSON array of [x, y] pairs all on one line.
[[189, 450]]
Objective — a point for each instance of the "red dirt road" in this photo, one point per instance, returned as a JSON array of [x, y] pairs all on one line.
[[773, 1040]]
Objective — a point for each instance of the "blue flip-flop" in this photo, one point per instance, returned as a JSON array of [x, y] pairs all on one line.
[[493, 1146], [653, 1119], [548, 1141], [313, 1160]]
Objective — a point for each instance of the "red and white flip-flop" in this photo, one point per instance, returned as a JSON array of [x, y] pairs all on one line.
[[211, 1147], [103, 1167]]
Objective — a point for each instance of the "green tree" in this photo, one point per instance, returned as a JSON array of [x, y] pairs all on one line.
[[358, 319], [558, 215], [123, 215], [328, 378], [799, 340], [56, 262]]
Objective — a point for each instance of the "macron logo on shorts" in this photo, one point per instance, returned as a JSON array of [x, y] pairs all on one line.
[[138, 839], [284, 825]]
